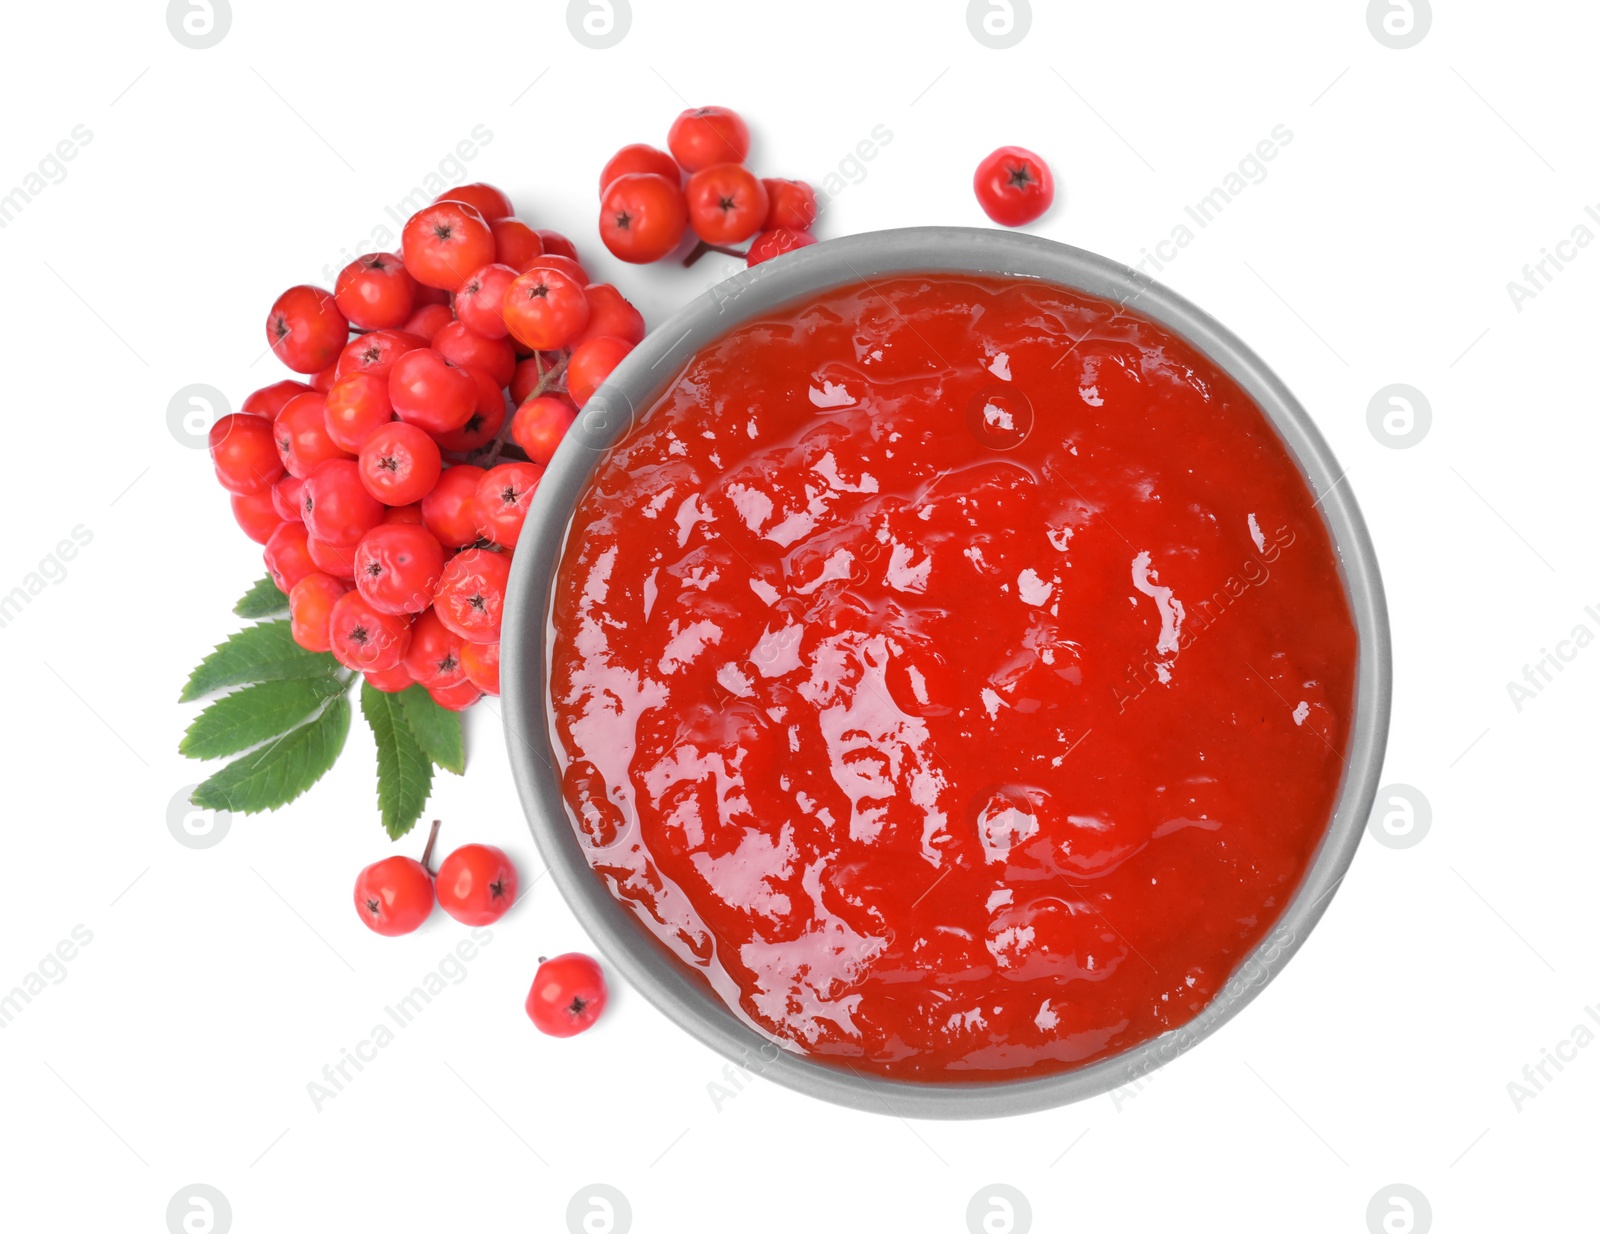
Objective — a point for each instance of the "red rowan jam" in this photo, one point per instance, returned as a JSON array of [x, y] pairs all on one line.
[[956, 672]]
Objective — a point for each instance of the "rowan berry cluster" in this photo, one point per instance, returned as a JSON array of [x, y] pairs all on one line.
[[390, 486]]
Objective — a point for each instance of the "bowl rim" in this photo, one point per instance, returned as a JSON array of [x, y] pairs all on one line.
[[610, 416]]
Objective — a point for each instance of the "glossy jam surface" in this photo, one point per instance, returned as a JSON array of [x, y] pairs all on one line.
[[955, 673]]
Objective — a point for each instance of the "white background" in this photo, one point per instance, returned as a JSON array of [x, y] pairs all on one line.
[[219, 982]]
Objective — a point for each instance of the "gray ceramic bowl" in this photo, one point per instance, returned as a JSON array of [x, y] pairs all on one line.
[[611, 415]]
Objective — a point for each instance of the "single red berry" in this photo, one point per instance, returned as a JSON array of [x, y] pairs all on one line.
[[306, 330], [394, 896], [610, 315], [404, 514], [1014, 186], [336, 505], [466, 348], [375, 292], [356, 408], [472, 594], [642, 216], [568, 995], [539, 426], [545, 309], [429, 391], [448, 510], [487, 200], [311, 604], [365, 638], [244, 453], [445, 242], [286, 498], [566, 265], [268, 401], [454, 698], [301, 434], [727, 203], [703, 136], [476, 884], [376, 352], [428, 320], [483, 425], [434, 657], [515, 243], [791, 204], [338, 560], [638, 157], [288, 556], [400, 464], [255, 514], [502, 500], [390, 680], [481, 661], [555, 242], [478, 300], [323, 380], [591, 364], [398, 567], [774, 243]]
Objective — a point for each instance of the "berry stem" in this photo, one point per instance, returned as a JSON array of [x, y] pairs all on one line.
[[548, 379], [498, 444], [427, 853], [701, 248]]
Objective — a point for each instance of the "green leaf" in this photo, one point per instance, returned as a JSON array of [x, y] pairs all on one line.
[[262, 600], [437, 730], [264, 652], [277, 773], [405, 775], [255, 714]]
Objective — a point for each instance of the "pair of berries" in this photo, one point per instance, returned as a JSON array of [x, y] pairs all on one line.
[[475, 884]]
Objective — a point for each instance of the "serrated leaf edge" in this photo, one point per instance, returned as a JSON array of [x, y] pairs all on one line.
[[339, 703], [374, 704], [421, 698], [255, 614], [325, 689], [317, 663]]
